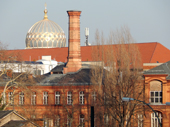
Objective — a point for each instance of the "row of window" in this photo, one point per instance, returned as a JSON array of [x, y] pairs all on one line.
[[154, 120], [48, 122], [45, 98], [155, 97]]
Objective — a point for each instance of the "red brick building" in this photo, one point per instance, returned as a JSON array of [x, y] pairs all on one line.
[[57, 99], [157, 83]]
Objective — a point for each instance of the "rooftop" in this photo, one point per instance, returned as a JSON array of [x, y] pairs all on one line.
[[150, 53], [161, 69]]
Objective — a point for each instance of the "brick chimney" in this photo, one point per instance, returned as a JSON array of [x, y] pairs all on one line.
[[74, 51]]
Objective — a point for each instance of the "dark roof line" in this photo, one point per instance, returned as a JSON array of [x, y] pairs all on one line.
[[4, 113], [161, 69]]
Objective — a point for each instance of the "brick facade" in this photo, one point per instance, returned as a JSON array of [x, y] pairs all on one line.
[[50, 110]]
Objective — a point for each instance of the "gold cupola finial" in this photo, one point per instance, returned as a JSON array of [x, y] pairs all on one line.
[[45, 12]]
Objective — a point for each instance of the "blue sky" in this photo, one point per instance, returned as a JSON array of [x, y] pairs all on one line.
[[148, 20]]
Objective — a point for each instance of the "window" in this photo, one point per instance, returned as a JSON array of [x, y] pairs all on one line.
[[106, 119], [45, 98], [57, 121], [82, 124], [46, 123], [128, 122], [50, 67], [140, 120], [57, 98], [69, 98], [81, 98], [33, 116], [93, 97], [156, 96], [11, 98], [36, 72], [42, 72], [105, 98], [69, 121], [155, 92], [21, 98], [3, 95], [154, 119], [33, 98]]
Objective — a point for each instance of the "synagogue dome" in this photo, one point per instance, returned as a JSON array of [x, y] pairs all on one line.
[[45, 34]]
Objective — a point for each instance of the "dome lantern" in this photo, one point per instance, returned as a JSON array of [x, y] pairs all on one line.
[[45, 12]]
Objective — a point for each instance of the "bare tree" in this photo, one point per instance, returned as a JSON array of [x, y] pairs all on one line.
[[11, 82], [119, 76]]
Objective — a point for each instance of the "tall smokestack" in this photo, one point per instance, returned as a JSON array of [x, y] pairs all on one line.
[[74, 51]]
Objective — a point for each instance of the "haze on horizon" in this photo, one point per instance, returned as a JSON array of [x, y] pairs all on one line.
[[148, 21]]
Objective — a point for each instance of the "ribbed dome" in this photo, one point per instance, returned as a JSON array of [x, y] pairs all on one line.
[[45, 34]]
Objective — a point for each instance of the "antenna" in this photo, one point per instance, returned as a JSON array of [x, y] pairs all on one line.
[[87, 35]]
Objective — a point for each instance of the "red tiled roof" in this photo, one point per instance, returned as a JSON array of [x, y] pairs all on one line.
[[154, 52], [161, 54], [150, 53]]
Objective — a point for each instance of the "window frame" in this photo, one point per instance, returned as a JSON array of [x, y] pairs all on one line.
[[81, 118], [106, 119], [45, 98], [21, 98], [33, 98], [81, 98], [154, 119], [154, 97], [3, 95], [57, 98], [46, 123], [140, 120], [57, 121], [11, 98], [69, 98], [94, 97], [68, 121]]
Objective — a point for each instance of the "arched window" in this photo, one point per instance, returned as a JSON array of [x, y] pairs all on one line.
[[155, 92], [154, 119]]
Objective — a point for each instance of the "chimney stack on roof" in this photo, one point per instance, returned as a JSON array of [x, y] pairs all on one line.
[[74, 51]]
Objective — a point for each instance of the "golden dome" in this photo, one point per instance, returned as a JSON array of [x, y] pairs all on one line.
[[45, 34]]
